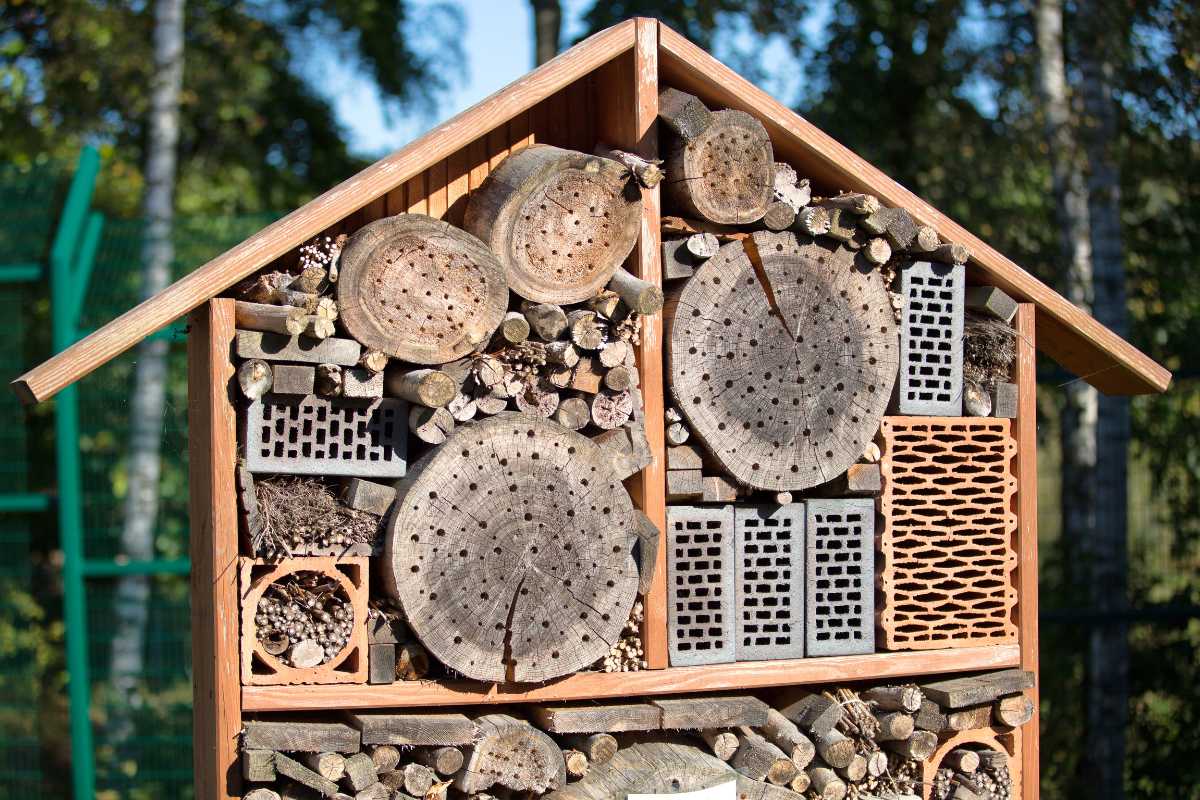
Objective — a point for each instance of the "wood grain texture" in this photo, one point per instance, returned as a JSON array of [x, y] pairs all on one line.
[[384, 177], [1067, 334], [212, 455], [674, 680], [1027, 548]]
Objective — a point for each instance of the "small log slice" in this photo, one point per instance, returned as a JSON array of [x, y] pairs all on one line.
[[560, 221], [420, 289], [513, 754], [726, 173], [509, 550], [782, 357]]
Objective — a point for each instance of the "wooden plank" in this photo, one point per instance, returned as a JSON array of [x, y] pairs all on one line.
[[435, 190], [415, 199], [1067, 334], [300, 736], [1027, 537], [419, 728], [597, 718], [704, 713], [497, 147], [973, 690], [458, 183], [314, 217], [674, 680], [212, 456], [519, 133]]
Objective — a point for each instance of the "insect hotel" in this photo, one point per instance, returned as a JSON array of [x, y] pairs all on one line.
[[624, 434]]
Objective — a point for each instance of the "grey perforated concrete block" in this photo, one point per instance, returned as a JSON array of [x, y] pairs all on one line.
[[770, 581], [840, 567], [931, 334], [327, 436], [700, 585]]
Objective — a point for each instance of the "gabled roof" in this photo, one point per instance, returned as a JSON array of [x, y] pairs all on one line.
[[1066, 333]]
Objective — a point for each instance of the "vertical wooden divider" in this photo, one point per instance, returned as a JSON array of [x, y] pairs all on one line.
[[212, 454], [1027, 563], [626, 100]]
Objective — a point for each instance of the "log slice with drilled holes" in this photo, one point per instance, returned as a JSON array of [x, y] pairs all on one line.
[[509, 552], [420, 289], [560, 221], [725, 174], [782, 356]]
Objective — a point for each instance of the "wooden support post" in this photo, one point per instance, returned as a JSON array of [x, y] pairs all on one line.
[[212, 457], [1027, 585]]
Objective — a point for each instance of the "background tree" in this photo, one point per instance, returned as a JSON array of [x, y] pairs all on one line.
[[547, 29]]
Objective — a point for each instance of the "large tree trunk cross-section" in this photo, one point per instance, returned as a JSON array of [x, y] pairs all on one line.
[[509, 550], [783, 354]]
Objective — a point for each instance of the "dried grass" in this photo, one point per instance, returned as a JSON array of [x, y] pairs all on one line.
[[297, 511], [989, 350]]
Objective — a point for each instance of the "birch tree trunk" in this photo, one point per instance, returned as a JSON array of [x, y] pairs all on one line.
[[547, 28], [132, 602], [1106, 548]]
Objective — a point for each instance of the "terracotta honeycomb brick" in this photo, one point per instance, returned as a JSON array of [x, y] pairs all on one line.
[[948, 549]]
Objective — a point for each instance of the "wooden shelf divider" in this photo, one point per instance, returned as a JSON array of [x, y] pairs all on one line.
[[673, 680]]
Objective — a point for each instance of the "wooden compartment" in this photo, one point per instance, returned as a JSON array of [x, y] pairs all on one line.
[[1007, 742], [260, 668]]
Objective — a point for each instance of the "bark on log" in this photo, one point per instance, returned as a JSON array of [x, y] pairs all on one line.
[[598, 747], [726, 173], [918, 747], [611, 409], [856, 770], [445, 761], [855, 203], [835, 749], [723, 744], [813, 220], [637, 295], [827, 784], [750, 310], [386, 757], [894, 726], [620, 378], [607, 303], [576, 764], [419, 289], [513, 754], [759, 759], [561, 222], [784, 734], [962, 760], [685, 114], [573, 413], [271, 318], [584, 330], [648, 172], [515, 328], [496, 608], [430, 425], [360, 772], [1013, 711], [779, 216], [547, 320], [330, 766]]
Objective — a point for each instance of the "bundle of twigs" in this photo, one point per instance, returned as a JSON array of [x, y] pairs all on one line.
[[295, 512], [989, 349]]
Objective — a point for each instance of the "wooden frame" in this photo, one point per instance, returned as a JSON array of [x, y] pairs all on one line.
[[614, 99]]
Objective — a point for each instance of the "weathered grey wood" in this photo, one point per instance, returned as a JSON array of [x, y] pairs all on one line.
[[513, 754], [538, 399], [1013, 711], [898, 225], [611, 409], [813, 221], [626, 446], [918, 747], [824, 344], [877, 763], [515, 328], [427, 387], [784, 734], [827, 784], [376, 791], [723, 175], [615, 353], [562, 353], [971, 690], [684, 457], [277, 347], [684, 484], [801, 782], [930, 717], [598, 747], [584, 329], [961, 760], [364, 495], [835, 749], [678, 262], [258, 766], [814, 713], [254, 378], [428, 728], [576, 763], [561, 222], [856, 770], [789, 188], [703, 245], [287, 320], [300, 737], [722, 743], [877, 251], [385, 756], [547, 320], [702, 713], [860, 480], [779, 216], [360, 772], [331, 766], [430, 425], [620, 378], [992, 301], [418, 778], [507, 615], [290, 768], [596, 717], [361, 382], [637, 295], [894, 726], [1004, 401], [261, 793], [381, 663], [758, 759], [950, 253], [444, 761], [419, 289], [574, 413], [685, 114]]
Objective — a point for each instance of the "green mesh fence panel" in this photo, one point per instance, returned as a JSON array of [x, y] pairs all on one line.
[[29, 203]]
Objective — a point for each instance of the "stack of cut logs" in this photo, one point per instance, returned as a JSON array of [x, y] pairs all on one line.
[[972, 773], [824, 745], [748, 245]]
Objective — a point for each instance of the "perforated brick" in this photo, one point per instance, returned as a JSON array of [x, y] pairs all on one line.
[[770, 581], [840, 601], [931, 333], [327, 436], [948, 546], [700, 579]]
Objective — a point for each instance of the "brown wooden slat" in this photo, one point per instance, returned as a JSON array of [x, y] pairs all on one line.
[[1027, 553], [435, 190], [458, 182], [415, 198], [315, 217]]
